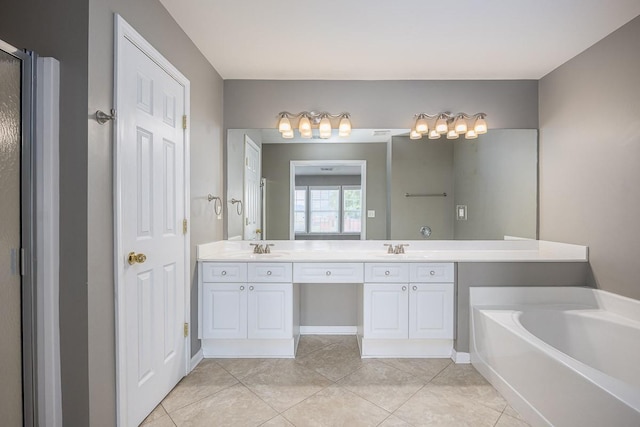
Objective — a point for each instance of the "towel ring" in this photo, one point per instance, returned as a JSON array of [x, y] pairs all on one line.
[[239, 206], [217, 203]]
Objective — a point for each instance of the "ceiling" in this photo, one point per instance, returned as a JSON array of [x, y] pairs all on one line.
[[395, 40]]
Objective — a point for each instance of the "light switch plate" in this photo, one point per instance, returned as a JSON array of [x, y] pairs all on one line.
[[461, 212], [371, 214]]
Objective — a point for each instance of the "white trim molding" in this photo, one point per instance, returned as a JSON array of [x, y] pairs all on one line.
[[47, 237], [197, 358], [460, 357], [328, 330]]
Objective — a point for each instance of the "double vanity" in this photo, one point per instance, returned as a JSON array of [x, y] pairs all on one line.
[[249, 302]]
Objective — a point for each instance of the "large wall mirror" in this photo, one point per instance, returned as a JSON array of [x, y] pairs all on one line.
[[381, 185]]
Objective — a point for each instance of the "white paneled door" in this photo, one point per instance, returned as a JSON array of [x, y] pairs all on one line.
[[152, 242], [252, 199]]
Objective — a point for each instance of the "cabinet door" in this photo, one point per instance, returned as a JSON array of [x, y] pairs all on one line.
[[224, 310], [431, 310], [386, 310], [270, 310]]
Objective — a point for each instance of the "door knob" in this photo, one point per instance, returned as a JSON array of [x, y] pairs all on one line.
[[136, 258]]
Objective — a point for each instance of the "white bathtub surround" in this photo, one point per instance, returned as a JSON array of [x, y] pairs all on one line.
[[417, 251], [560, 355]]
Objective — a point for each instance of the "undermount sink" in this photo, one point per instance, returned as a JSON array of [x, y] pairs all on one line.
[[252, 256], [392, 256], [411, 255]]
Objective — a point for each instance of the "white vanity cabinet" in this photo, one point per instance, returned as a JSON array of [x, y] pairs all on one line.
[[224, 310], [248, 310], [407, 310]]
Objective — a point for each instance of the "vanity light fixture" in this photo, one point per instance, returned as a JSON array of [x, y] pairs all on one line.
[[451, 125], [308, 120]]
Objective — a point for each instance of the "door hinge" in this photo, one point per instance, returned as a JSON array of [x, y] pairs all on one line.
[[186, 330], [184, 121], [185, 226]]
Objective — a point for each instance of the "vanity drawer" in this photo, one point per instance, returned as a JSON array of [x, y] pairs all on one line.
[[431, 272], [378, 272], [323, 272], [270, 272], [224, 272]]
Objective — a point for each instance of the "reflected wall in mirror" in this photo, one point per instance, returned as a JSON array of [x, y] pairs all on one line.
[[490, 183]]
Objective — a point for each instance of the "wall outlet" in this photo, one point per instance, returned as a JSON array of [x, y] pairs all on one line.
[[461, 212], [371, 214]]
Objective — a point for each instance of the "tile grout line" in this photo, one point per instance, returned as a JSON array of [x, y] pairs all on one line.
[[204, 397]]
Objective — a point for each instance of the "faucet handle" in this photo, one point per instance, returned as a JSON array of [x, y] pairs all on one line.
[[401, 247], [257, 248], [390, 250], [267, 248]]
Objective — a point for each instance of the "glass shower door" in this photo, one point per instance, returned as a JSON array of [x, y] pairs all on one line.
[[11, 403]]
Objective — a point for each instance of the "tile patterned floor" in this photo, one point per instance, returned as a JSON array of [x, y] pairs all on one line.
[[329, 385]]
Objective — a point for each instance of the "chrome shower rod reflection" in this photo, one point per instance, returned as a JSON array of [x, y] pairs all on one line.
[[425, 195]]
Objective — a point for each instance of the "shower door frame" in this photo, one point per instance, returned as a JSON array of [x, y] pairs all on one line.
[[27, 219]]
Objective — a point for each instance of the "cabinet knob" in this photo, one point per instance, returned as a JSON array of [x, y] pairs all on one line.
[[250, 288], [328, 273], [242, 288], [269, 273], [433, 273], [386, 273], [415, 288], [404, 288], [224, 273]]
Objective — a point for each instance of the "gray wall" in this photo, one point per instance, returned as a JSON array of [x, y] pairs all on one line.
[[589, 157], [472, 274], [59, 29], [276, 160], [423, 166], [510, 104], [496, 177], [151, 20]]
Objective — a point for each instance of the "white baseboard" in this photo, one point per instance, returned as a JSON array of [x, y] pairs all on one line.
[[460, 357], [328, 330], [197, 358]]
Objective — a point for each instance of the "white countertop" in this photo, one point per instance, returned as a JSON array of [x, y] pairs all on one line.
[[516, 250]]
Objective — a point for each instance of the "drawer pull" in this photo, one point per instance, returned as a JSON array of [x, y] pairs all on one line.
[[433, 273], [328, 273], [386, 273], [224, 273], [269, 273], [415, 288], [242, 288], [250, 288], [404, 288]]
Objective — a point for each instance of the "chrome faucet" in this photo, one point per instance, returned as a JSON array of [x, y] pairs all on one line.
[[397, 249], [260, 249], [400, 248]]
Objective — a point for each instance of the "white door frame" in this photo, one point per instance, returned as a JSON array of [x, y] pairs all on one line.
[[292, 186], [125, 33], [249, 141]]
